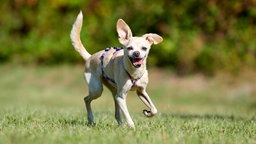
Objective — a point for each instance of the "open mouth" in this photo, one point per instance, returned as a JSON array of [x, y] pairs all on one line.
[[136, 62]]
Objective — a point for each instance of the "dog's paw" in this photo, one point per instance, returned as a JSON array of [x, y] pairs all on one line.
[[148, 113], [91, 124]]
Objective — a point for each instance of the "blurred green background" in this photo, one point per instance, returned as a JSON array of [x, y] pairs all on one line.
[[199, 36], [211, 43]]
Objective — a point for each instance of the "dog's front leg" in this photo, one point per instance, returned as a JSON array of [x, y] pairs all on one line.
[[121, 100], [147, 101]]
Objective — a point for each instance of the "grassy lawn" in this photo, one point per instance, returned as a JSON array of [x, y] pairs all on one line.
[[45, 105]]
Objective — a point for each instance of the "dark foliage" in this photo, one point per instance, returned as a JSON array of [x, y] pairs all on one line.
[[205, 36]]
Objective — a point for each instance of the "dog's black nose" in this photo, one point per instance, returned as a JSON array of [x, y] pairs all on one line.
[[136, 54]]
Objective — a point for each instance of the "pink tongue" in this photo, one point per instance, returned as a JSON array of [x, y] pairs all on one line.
[[137, 61]]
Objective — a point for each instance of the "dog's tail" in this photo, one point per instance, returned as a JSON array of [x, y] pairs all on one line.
[[75, 37]]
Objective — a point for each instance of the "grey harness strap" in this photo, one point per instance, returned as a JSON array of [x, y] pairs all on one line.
[[132, 79], [102, 62], [108, 78]]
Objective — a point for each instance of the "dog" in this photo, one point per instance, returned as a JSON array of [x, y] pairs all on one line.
[[120, 69]]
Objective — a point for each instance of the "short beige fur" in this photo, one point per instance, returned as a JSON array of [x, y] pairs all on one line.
[[117, 65]]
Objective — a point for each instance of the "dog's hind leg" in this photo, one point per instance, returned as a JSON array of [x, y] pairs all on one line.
[[117, 108], [117, 111], [95, 91]]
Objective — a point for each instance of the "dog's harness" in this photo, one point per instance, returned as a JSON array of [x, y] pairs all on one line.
[[102, 66], [108, 78], [132, 79]]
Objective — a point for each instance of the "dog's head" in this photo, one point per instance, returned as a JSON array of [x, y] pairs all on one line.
[[136, 48]]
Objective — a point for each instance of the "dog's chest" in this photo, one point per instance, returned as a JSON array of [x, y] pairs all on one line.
[[133, 88]]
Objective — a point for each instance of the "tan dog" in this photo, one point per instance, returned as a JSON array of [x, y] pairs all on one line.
[[121, 70]]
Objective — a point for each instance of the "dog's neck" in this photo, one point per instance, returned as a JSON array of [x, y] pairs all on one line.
[[135, 73]]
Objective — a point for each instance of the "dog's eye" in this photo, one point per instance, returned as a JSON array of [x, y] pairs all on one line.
[[144, 48], [130, 48]]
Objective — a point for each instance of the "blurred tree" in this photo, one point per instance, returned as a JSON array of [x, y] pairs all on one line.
[[199, 35]]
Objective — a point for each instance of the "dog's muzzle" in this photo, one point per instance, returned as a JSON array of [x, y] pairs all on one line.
[[136, 62]]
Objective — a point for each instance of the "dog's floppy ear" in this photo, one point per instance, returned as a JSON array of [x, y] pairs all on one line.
[[153, 38], [124, 32]]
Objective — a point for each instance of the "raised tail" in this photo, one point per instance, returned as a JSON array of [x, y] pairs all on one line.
[[75, 37]]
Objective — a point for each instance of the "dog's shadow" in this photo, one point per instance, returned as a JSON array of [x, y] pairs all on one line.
[[208, 117], [168, 116], [72, 122]]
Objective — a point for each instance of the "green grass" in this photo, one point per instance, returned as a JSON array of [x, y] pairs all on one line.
[[45, 105]]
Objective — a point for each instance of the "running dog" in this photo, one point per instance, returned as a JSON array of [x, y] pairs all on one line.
[[119, 69]]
